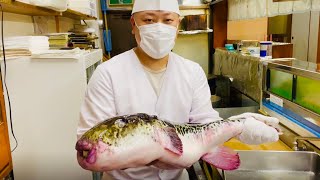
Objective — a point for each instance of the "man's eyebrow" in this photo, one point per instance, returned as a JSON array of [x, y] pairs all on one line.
[[148, 13], [167, 14]]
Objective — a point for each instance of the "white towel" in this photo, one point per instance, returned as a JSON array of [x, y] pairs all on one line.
[[285, 8], [261, 8], [31, 43], [256, 9], [301, 6], [233, 10], [315, 5], [273, 8], [252, 11], [243, 9]]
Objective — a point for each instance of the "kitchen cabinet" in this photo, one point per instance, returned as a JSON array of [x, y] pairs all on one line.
[[5, 154]]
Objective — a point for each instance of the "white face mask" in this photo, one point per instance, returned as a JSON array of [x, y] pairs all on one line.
[[158, 39]]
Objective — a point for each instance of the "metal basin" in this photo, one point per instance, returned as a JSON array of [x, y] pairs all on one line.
[[270, 165], [239, 104]]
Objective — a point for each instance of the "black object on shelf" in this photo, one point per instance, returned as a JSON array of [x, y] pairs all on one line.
[[215, 2]]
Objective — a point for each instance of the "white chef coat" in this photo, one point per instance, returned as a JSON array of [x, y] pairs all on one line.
[[120, 86]]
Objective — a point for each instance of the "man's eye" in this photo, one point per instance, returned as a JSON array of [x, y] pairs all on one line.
[[120, 123], [148, 20], [168, 21]]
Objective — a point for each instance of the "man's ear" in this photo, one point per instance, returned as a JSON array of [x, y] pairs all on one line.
[[133, 24], [179, 23]]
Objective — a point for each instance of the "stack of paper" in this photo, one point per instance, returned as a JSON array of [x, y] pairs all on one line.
[[58, 40], [24, 45]]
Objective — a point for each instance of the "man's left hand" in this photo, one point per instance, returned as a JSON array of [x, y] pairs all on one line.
[[258, 129]]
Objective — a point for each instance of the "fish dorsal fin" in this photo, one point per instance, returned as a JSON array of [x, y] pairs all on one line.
[[193, 124], [141, 116], [170, 140], [223, 158]]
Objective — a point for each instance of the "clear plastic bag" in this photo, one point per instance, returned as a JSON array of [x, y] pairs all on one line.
[[57, 5]]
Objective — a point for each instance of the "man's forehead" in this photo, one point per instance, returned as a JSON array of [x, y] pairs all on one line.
[[155, 13]]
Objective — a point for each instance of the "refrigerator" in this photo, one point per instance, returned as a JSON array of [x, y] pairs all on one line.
[[46, 95]]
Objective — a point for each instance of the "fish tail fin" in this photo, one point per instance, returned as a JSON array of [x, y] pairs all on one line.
[[223, 158], [170, 140]]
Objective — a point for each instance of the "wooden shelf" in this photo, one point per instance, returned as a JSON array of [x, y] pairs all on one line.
[[283, 0], [31, 10], [27, 9], [185, 7], [77, 15], [195, 32], [215, 2]]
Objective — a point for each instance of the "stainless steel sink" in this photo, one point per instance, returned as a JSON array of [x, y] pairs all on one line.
[[270, 165]]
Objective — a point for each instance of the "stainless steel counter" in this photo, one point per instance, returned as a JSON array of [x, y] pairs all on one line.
[[267, 165]]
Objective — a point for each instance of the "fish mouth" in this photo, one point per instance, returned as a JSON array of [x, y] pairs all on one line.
[[86, 151]]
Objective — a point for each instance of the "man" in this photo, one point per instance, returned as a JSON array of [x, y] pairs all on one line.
[[151, 79]]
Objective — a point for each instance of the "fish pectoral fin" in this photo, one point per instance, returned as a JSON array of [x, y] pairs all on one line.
[[223, 158], [170, 140]]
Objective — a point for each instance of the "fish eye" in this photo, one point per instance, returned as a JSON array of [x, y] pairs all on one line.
[[120, 123], [153, 117]]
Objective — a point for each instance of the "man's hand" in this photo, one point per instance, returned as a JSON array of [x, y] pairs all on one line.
[[162, 165], [258, 129]]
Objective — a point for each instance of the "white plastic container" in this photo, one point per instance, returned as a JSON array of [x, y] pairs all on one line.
[[57, 5], [88, 7], [254, 51], [82, 3], [266, 49]]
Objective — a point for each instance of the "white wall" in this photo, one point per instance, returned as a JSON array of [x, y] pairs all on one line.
[[21, 25], [17, 25], [194, 48], [254, 29]]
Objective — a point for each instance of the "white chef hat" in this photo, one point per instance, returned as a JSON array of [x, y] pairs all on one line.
[[162, 5]]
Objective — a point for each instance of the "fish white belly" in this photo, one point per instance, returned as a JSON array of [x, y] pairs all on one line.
[[133, 151]]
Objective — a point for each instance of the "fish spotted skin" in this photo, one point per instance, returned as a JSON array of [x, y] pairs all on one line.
[[139, 140]]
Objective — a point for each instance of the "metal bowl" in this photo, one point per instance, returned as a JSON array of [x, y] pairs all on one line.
[[215, 101]]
